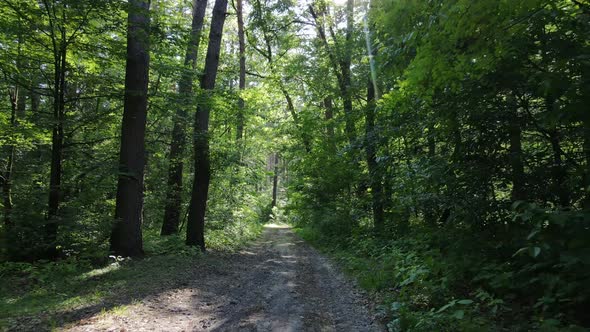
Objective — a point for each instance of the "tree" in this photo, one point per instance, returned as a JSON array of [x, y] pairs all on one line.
[[195, 231], [177, 146], [126, 237], [242, 76]]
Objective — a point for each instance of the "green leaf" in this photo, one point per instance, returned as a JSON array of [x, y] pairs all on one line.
[[534, 251], [459, 314], [532, 234], [465, 302], [520, 251]]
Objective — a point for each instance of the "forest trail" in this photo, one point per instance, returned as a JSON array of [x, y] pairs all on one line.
[[279, 283]]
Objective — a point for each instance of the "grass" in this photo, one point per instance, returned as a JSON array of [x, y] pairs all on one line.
[[34, 294]]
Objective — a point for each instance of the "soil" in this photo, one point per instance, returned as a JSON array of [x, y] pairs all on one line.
[[279, 283]]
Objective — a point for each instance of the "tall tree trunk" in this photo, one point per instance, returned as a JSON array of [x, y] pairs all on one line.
[[345, 87], [586, 135], [6, 177], [275, 180], [340, 67], [195, 230], [516, 163], [268, 54], [329, 116], [557, 170], [586, 129], [429, 209], [177, 146], [242, 83], [126, 237], [57, 143], [374, 177]]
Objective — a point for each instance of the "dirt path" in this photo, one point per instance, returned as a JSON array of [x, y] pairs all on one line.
[[277, 284]]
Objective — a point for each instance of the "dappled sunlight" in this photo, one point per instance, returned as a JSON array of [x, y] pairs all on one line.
[[100, 272], [279, 226], [269, 286]]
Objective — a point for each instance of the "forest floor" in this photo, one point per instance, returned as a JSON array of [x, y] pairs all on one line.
[[278, 283]]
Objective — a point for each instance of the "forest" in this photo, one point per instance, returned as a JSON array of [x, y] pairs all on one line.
[[437, 151]]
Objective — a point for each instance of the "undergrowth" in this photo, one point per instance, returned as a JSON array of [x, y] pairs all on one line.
[[425, 281]]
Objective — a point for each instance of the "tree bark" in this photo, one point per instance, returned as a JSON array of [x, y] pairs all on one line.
[[126, 239], [172, 210], [242, 82], [195, 231], [275, 180]]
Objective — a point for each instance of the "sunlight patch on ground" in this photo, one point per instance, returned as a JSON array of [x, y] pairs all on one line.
[[99, 272], [272, 225]]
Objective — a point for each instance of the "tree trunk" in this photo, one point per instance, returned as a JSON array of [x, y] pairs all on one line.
[[195, 230], [57, 139], [516, 163], [586, 135], [345, 86], [341, 67], [6, 177], [558, 171], [429, 209], [172, 210], [242, 83], [126, 237], [374, 177], [275, 180], [586, 129], [329, 116]]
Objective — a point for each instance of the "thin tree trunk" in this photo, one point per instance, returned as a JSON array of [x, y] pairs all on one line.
[[586, 135], [195, 231], [329, 116], [6, 178], [429, 209], [346, 75], [586, 129], [374, 177], [172, 210], [55, 181], [126, 239], [558, 171], [242, 83], [516, 164], [341, 68], [275, 180], [270, 58]]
